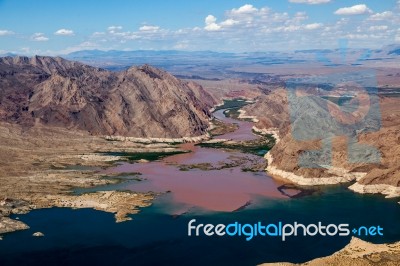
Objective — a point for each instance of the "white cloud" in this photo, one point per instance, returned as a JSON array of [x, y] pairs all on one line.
[[300, 16], [290, 28], [210, 19], [246, 9], [39, 37], [25, 49], [115, 34], [257, 28], [114, 28], [356, 36], [88, 45], [149, 28], [5, 32], [129, 35], [98, 33], [64, 32], [229, 22], [82, 46], [211, 24], [182, 45], [212, 27], [378, 28], [310, 2], [353, 10], [293, 28], [313, 26], [381, 16]]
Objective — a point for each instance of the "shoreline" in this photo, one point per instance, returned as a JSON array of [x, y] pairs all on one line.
[[159, 140], [60, 183], [242, 115], [341, 175], [384, 189], [345, 177]]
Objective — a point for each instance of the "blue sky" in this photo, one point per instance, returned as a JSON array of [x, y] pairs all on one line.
[[59, 26]]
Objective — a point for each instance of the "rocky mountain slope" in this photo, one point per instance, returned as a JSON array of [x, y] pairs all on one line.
[[273, 112], [138, 102]]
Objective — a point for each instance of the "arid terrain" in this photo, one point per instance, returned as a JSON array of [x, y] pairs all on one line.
[[272, 112], [56, 115], [38, 171], [60, 120]]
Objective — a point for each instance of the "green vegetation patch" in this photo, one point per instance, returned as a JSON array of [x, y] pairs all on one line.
[[232, 108], [230, 104], [200, 166], [258, 146], [338, 100], [222, 128], [232, 113], [149, 156]]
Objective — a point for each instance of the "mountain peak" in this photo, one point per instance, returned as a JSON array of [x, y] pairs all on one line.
[[139, 102]]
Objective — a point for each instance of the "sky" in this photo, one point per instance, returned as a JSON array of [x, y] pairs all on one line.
[[58, 27]]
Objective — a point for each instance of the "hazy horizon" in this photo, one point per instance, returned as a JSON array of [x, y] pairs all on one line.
[[62, 27]]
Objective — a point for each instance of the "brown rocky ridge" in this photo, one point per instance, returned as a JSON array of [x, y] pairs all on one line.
[[138, 102]]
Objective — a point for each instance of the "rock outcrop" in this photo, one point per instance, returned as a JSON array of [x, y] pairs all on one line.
[[8, 225]]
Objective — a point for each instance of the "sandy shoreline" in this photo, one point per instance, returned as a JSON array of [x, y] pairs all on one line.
[[118, 202], [242, 115], [342, 176], [387, 190], [159, 140]]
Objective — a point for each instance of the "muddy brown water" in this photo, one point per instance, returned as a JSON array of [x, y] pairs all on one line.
[[244, 132], [226, 189]]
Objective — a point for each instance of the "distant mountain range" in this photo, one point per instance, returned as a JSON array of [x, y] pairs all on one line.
[[117, 60], [170, 60], [140, 101], [117, 53]]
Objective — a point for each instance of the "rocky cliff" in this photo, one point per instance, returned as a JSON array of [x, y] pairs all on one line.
[[273, 112], [138, 102]]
